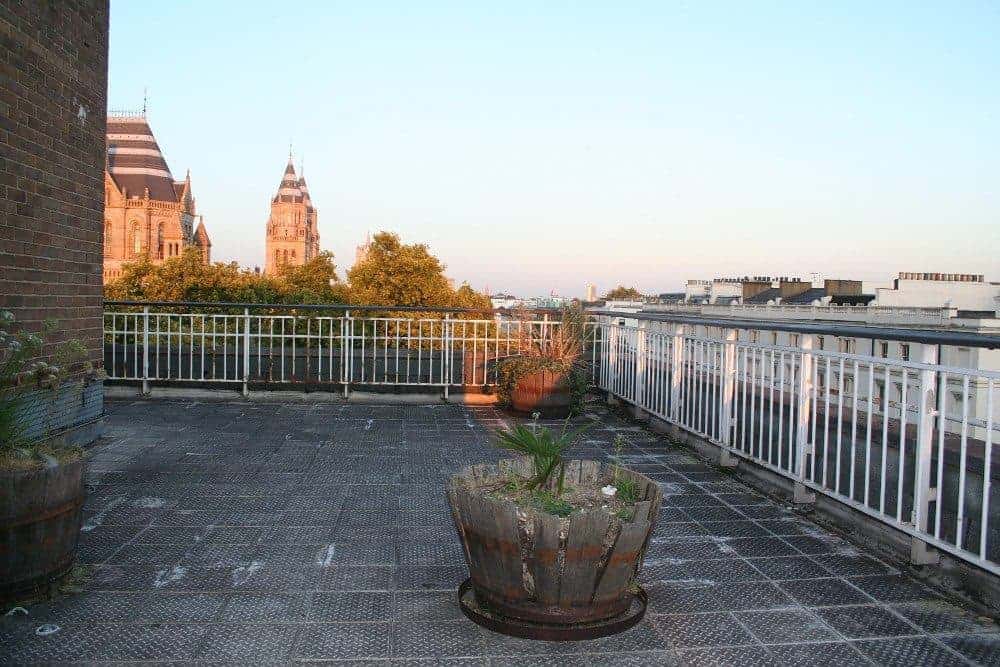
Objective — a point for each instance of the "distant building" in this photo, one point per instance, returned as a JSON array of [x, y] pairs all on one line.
[[361, 251], [292, 231], [501, 300], [962, 291], [591, 292], [146, 212]]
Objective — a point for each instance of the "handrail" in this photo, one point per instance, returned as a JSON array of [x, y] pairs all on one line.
[[296, 306], [906, 335]]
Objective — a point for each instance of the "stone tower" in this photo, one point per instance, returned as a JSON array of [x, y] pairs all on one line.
[[292, 232], [146, 212]]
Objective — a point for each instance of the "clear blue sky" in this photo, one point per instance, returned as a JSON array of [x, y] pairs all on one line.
[[541, 145]]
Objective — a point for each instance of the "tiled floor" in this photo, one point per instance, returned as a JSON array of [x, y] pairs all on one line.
[[250, 532]]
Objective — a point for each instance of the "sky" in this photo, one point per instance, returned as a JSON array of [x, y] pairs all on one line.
[[539, 146]]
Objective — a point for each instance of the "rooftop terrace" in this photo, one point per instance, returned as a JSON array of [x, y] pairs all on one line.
[[275, 532]]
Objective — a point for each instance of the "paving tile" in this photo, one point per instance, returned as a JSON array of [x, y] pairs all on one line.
[[425, 606], [789, 567], [820, 654], [435, 577], [824, 592], [757, 547], [785, 626], [854, 565], [350, 578], [333, 641], [445, 638], [694, 630], [735, 529], [865, 621], [265, 608], [938, 616], [128, 642], [910, 651], [235, 643], [643, 659], [742, 595], [715, 513], [982, 649], [894, 588], [744, 656], [699, 570], [344, 606]]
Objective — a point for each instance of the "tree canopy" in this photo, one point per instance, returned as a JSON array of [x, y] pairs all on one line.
[[392, 274], [622, 293], [189, 278]]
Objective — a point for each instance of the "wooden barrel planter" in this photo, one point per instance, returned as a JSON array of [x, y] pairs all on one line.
[[539, 568], [545, 392], [40, 512]]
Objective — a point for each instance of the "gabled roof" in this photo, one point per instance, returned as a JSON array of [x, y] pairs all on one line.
[[135, 161], [806, 298]]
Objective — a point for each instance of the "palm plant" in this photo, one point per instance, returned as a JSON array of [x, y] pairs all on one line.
[[545, 449]]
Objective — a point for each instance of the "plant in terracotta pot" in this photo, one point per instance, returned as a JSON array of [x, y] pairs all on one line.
[[41, 479], [554, 546], [547, 375]]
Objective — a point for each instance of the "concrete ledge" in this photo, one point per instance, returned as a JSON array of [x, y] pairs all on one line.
[[952, 574], [131, 393]]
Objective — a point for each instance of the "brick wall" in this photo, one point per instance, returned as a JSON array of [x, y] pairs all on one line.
[[53, 99]]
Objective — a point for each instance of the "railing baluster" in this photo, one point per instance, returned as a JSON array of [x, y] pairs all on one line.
[[800, 491], [920, 554]]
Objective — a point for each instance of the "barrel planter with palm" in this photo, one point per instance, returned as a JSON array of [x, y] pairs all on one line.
[[553, 546]]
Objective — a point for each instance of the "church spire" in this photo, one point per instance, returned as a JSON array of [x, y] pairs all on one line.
[[288, 189]]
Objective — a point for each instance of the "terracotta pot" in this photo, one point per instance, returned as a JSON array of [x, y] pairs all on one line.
[[544, 392], [40, 512], [539, 567]]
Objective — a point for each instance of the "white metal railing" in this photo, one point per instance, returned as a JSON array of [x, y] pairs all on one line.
[[909, 443], [248, 348]]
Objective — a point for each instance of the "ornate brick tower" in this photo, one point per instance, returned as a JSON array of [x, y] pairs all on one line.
[[292, 232], [146, 212]]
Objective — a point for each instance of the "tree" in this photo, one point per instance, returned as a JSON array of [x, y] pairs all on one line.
[[466, 297], [622, 293], [316, 281], [188, 278], [398, 274]]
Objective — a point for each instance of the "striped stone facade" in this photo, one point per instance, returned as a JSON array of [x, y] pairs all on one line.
[[146, 212], [292, 232]]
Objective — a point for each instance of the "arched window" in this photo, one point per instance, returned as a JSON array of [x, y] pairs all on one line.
[[107, 237], [293, 255], [136, 239]]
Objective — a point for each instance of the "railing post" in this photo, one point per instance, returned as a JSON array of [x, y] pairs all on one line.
[[545, 332], [923, 494], [803, 448], [346, 352], [246, 351], [145, 351], [676, 373], [639, 410], [611, 357], [728, 379], [446, 352]]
